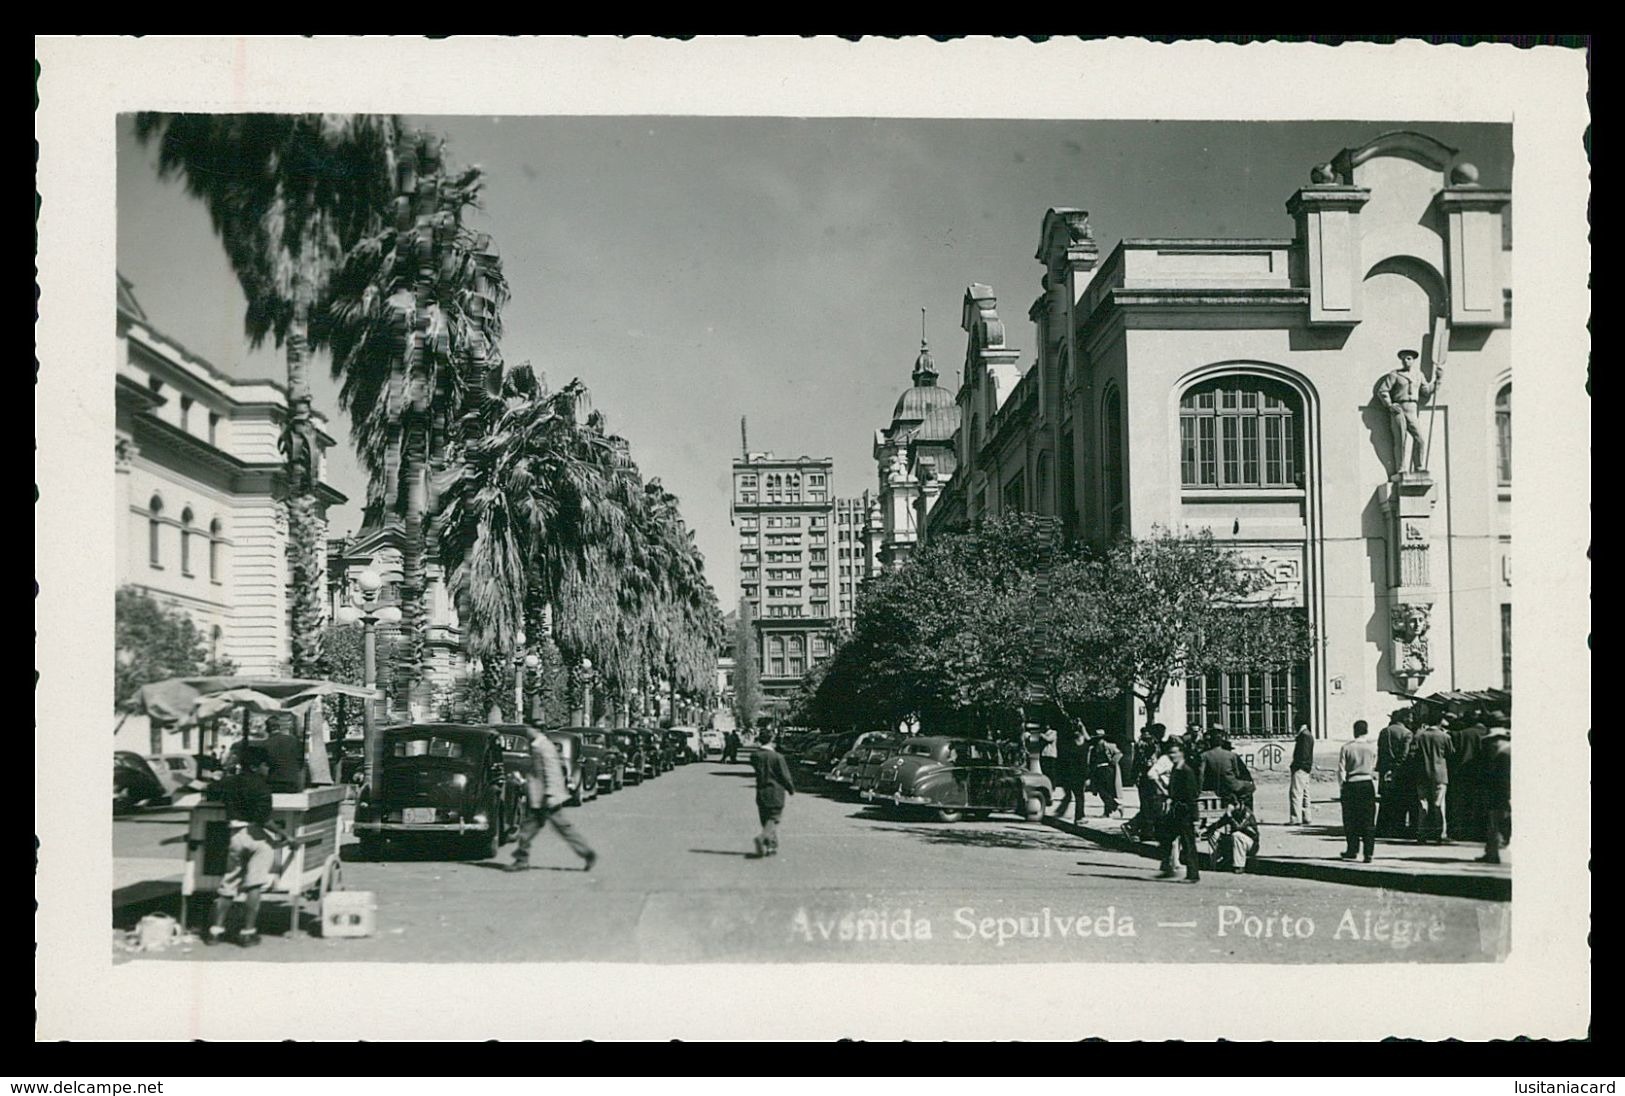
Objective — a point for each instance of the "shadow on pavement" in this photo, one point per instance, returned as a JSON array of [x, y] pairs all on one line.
[[733, 772], [502, 866], [1112, 875], [725, 852], [953, 834]]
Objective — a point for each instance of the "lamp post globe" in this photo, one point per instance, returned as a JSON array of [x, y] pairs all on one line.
[[389, 614], [531, 662], [370, 582]]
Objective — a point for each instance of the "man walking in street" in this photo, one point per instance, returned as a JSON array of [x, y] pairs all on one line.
[[730, 748], [252, 853], [773, 783], [1102, 759], [1300, 802], [1397, 805], [1357, 778], [1147, 824], [1430, 760], [1179, 823], [547, 793]]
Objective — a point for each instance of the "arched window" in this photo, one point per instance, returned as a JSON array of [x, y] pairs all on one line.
[[186, 541], [1237, 432], [215, 531], [1503, 435], [1042, 502], [155, 523], [1111, 456]]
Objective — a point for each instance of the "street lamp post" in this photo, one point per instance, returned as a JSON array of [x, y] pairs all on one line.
[[523, 663], [365, 610], [586, 692]]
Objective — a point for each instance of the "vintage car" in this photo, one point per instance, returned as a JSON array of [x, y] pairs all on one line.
[[134, 782], [580, 765], [866, 754], [955, 778], [818, 756], [442, 780], [712, 742], [655, 760], [682, 746], [632, 755], [611, 761], [177, 772]]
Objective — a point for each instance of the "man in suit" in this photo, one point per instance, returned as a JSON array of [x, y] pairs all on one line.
[[1430, 757], [1396, 814], [1495, 790], [1300, 806], [773, 783], [1179, 824], [546, 792], [1220, 771]]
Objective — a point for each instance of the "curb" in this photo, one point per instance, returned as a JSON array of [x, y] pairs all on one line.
[[1494, 888]]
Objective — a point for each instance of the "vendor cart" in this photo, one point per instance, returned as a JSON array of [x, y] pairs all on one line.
[[306, 864]]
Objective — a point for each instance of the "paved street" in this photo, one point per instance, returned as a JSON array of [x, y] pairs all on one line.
[[674, 884]]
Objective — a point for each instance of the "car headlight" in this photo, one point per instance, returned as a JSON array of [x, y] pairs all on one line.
[[459, 780]]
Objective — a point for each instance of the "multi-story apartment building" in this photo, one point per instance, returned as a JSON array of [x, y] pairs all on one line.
[[851, 560], [784, 510]]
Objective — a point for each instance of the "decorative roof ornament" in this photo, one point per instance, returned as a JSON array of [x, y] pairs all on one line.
[[925, 370]]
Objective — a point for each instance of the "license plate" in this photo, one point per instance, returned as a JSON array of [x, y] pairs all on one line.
[[417, 815]]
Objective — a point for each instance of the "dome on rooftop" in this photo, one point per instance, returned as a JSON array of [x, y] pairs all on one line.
[[941, 423], [924, 397]]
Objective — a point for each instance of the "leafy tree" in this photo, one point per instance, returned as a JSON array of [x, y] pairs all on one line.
[[154, 642], [1157, 610], [344, 660], [747, 674]]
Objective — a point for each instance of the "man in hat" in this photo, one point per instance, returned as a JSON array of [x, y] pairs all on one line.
[[547, 792], [1495, 788], [1401, 391]]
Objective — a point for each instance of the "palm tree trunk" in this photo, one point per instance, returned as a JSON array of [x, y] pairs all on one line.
[[304, 522]]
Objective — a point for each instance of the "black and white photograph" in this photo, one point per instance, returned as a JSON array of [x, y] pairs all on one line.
[[607, 523]]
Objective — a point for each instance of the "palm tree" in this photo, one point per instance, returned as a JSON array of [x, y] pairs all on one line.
[[413, 319], [289, 195]]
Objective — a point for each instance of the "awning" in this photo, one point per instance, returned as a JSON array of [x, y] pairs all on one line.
[[185, 700]]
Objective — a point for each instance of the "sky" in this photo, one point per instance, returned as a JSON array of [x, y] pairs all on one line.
[[695, 270]]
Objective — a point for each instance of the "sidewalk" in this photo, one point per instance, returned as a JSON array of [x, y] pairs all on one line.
[[1310, 852]]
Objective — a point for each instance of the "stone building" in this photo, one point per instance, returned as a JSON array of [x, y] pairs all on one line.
[[915, 457], [202, 526], [1231, 385]]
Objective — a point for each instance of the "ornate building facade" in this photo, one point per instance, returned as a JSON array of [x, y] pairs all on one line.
[[202, 526], [1248, 387]]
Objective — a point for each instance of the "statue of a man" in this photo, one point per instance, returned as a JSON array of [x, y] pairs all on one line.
[[1401, 391]]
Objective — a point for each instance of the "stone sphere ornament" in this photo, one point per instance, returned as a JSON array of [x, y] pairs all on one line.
[[1464, 175]]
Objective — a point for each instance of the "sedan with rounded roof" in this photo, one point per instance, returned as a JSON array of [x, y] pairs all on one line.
[[954, 778]]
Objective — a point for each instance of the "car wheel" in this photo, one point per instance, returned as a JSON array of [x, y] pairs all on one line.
[[578, 795], [1035, 808], [945, 815]]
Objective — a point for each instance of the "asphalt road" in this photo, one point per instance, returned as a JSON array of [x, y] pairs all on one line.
[[675, 882]]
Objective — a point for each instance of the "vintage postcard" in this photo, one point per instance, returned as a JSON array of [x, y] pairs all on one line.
[[851, 525]]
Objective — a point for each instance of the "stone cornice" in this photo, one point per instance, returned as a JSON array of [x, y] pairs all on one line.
[[1472, 197], [1333, 196]]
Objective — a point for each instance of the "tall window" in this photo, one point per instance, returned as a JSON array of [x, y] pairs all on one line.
[[1240, 432], [1506, 647], [1503, 435], [1260, 702], [797, 656], [214, 550], [186, 542], [155, 524], [1112, 460], [775, 656]]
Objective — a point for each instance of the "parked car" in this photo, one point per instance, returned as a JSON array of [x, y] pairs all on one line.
[[611, 761], [516, 763], [820, 755], [134, 782], [959, 777], [175, 771], [712, 742], [632, 755], [654, 750], [682, 749], [580, 767], [867, 752], [348, 759], [442, 780]]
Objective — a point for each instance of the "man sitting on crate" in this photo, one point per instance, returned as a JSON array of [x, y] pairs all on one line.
[[252, 853], [1235, 837]]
